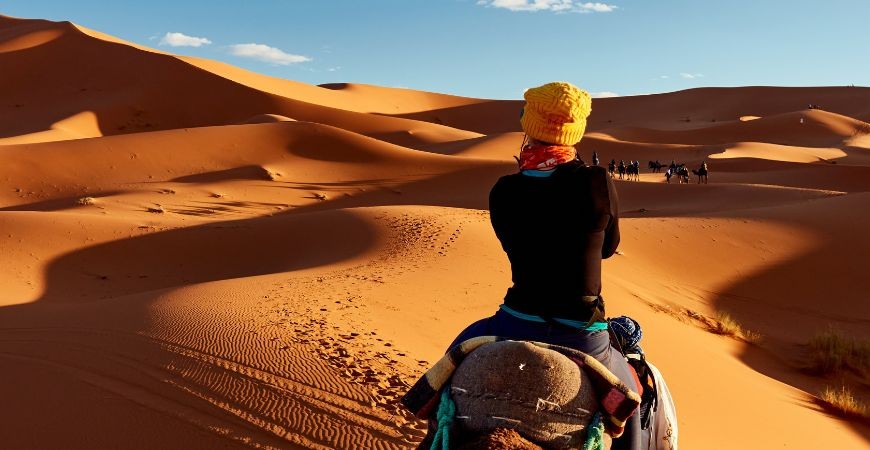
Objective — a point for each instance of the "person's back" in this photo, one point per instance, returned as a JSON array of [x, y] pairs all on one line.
[[526, 213]]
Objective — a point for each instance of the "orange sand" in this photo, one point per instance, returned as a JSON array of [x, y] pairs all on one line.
[[197, 256]]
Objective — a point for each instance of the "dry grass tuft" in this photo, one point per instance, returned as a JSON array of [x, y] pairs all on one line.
[[752, 337], [726, 325], [156, 209], [722, 324], [831, 352], [844, 402], [86, 201]]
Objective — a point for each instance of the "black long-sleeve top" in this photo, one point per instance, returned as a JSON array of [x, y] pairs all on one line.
[[555, 231]]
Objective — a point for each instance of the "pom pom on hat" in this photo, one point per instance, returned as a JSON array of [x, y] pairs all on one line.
[[556, 113]]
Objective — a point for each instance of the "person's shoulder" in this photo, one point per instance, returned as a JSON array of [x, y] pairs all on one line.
[[598, 175], [506, 182], [597, 170], [579, 169]]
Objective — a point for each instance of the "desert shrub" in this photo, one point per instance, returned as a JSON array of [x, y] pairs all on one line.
[[831, 352], [844, 402], [726, 325]]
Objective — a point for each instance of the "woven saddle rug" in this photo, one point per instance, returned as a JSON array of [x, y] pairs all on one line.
[[547, 392]]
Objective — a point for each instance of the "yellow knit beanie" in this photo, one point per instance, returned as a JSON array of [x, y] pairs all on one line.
[[556, 113]]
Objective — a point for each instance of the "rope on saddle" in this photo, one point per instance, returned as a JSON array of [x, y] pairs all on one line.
[[595, 434], [446, 414]]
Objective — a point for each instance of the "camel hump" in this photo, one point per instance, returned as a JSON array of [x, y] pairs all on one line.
[[536, 391]]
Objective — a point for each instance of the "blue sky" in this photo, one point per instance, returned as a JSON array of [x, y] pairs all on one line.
[[497, 48]]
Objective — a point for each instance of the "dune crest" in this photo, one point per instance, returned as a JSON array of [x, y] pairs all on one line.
[[267, 118]]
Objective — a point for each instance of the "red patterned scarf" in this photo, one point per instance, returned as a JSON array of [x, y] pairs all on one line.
[[545, 157]]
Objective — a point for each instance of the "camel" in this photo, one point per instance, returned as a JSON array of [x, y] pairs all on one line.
[[656, 166], [632, 171], [701, 173], [681, 172]]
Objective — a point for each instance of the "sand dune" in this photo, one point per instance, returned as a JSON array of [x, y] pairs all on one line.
[[704, 105], [77, 126], [109, 71], [775, 152], [267, 118], [293, 154], [813, 128], [198, 256], [22, 35]]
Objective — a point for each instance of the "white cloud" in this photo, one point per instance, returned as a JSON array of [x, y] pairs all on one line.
[[595, 7], [333, 69], [549, 5], [664, 77], [183, 40], [267, 54], [690, 76], [604, 94]]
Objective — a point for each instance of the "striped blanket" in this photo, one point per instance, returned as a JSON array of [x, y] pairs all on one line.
[[618, 401]]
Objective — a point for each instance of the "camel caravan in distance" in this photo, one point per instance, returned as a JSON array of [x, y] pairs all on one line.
[[631, 170]]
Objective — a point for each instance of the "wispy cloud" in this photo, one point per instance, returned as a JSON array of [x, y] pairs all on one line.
[[691, 76], [183, 40], [549, 5], [267, 54], [604, 94], [595, 7]]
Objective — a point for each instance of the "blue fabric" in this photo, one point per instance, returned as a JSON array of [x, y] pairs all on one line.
[[537, 173], [629, 334], [597, 326], [594, 343]]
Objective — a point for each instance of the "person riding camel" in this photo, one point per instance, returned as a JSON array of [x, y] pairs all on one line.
[[556, 220]]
